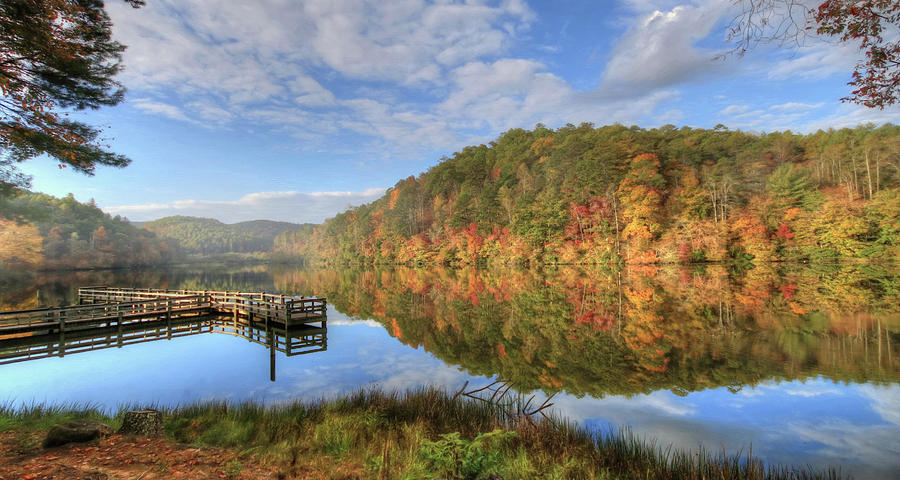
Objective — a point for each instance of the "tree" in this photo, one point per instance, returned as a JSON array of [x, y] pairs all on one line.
[[641, 193], [55, 55], [20, 244], [873, 24], [877, 78], [790, 186]]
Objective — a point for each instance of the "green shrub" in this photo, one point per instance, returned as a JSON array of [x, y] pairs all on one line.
[[456, 457]]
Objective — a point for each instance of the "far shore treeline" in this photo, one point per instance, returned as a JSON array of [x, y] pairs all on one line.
[[576, 195], [581, 194], [43, 232]]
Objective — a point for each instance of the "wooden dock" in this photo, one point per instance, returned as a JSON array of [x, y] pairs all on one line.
[[104, 307]]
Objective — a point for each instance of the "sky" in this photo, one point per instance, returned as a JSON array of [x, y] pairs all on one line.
[[294, 111]]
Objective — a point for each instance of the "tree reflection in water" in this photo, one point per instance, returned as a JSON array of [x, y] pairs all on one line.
[[607, 332], [587, 331]]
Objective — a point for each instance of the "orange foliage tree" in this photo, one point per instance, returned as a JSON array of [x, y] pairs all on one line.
[[641, 194], [20, 245]]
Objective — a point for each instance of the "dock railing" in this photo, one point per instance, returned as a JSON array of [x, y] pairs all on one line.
[[283, 307], [62, 318], [107, 306]]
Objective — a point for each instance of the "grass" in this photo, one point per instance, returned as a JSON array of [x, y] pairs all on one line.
[[35, 417], [423, 433]]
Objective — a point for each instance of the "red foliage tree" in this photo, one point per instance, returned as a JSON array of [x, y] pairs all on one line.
[[873, 24], [876, 79]]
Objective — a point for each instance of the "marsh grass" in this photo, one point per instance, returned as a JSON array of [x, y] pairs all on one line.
[[36, 417], [26, 424], [424, 433]]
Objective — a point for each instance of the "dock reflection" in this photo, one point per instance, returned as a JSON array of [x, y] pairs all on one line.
[[291, 340]]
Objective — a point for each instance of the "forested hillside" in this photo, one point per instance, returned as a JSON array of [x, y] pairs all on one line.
[[50, 232], [581, 194], [208, 236]]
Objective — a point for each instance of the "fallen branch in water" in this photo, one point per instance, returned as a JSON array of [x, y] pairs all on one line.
[[513, 410]]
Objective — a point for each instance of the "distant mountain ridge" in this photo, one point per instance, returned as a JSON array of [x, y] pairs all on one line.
[[210, 236]]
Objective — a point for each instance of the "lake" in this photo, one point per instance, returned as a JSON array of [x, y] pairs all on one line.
[[798, 363]]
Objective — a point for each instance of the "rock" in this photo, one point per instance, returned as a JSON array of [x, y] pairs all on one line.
[[76, 431], [142, 422]]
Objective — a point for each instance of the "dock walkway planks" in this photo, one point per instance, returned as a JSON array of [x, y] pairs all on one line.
[[106, 306]]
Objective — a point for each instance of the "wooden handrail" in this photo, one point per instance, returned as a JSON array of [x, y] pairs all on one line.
[[115, 305]]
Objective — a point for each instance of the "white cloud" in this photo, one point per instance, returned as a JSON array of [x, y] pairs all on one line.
[[885, 401], [351, 321], [512, 93], [812, 391], [673, 116], [394, 370], [734, 109], [816, 61], [159, 108], [297, 207], [660, 50], [310, 92], [795, 106], [405, 40], [803, 117], [649, 6], [846, 444], [508, 92], [850, 115], [209, 113], [399, 372], [225, 66], [208, 47]]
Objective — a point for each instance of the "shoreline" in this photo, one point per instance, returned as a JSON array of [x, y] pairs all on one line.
[[423, 433]]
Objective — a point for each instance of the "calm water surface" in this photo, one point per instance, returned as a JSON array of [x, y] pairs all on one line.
[[801, 364]]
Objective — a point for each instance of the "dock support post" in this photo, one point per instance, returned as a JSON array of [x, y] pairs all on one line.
[[234, 304], [169, 318], [62, 333], [270, 340]]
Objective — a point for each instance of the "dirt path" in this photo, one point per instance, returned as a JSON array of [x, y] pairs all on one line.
[[118, 457]]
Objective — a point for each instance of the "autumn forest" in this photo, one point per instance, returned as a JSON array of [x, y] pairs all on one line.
[[612, 194], [575, 195]]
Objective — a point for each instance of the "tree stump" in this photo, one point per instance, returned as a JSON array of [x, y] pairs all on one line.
[[142, 422], [76, 431]]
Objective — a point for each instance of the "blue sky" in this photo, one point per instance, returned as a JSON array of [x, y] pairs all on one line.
[[295, 110]]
